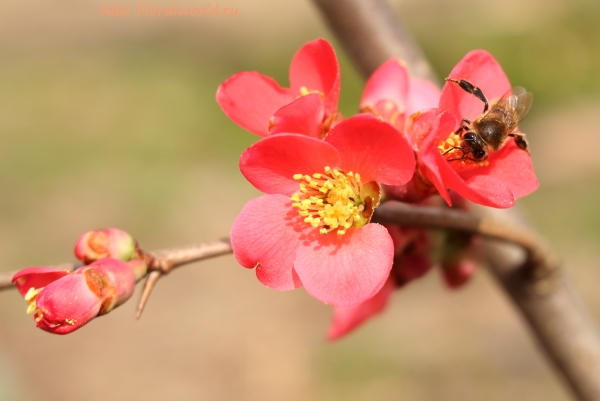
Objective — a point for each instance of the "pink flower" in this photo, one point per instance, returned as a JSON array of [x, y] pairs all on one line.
[[107, 243], [258, 104], [63, 301], [506, 175], [321, 237], [392, 94], [347, 319], [411, 261]]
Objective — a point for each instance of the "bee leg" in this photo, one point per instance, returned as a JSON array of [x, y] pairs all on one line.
[[457, 159], [453, 148], [472, 89], [520, 140]]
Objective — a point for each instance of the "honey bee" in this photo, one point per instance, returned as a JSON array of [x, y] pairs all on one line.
[[491, 129]]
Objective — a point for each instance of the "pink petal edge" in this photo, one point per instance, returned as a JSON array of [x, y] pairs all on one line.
[[250, 99], [373, 149], [345, 270], [270, 164], [266, 235]]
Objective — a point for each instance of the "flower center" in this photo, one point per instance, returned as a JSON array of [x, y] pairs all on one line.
[[452, 150], [335, 201], [386, 109]]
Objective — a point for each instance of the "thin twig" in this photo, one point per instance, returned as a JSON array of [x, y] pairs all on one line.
[[540, 264], [557, 319], [163, 261], [167, 259], [6, 277], [159, 263]]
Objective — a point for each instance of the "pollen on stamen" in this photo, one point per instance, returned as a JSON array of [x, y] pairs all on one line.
[[30, 297], [332, 200], [32, 293], [32, 307], [451, 149]]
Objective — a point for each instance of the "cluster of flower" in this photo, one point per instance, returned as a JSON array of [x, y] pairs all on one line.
[[324, 175], [63, 300]]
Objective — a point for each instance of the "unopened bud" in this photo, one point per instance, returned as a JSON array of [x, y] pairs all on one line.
[[459, 273], [107, 243], [63, 301]]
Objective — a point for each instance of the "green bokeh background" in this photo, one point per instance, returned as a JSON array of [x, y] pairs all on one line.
[[108, 121]]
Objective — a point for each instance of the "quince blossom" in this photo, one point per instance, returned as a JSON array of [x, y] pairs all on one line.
[[62, 301], [506, 175], [312, 227], [412, 260], [392, 94], [258, 104]]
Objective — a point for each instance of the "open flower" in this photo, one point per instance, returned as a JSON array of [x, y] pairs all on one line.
[[313, 226], [392, 94], [349, 318], [412, 259], [258, 104], [506, 175], [62, 301]]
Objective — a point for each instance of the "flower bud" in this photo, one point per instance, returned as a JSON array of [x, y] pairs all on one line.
[[458, 274], [410, 267], [138, 267], [63, 301], [107, 243]]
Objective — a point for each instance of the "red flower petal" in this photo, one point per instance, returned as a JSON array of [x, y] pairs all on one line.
[[348, 269], [316, 68], [250, 99], [482, 70], [422, 95], [389, 82], [481, 189], [512, 166], [37, 277], [441, 126], [303, 116], [347, 319], [67, 304], [373, 149], [417, 127], [266, 234], [119, 281], [270, 164]]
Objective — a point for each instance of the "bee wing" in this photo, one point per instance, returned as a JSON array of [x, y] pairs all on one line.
[[517, 103]]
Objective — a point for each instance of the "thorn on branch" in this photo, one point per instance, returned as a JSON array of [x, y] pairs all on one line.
[[149, 285]]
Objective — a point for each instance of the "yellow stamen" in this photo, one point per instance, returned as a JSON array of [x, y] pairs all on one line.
[[333, 201], [451, 150], [32, 293], [30, 297]]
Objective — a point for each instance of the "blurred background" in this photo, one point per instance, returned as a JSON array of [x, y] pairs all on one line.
[[112, 121]]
